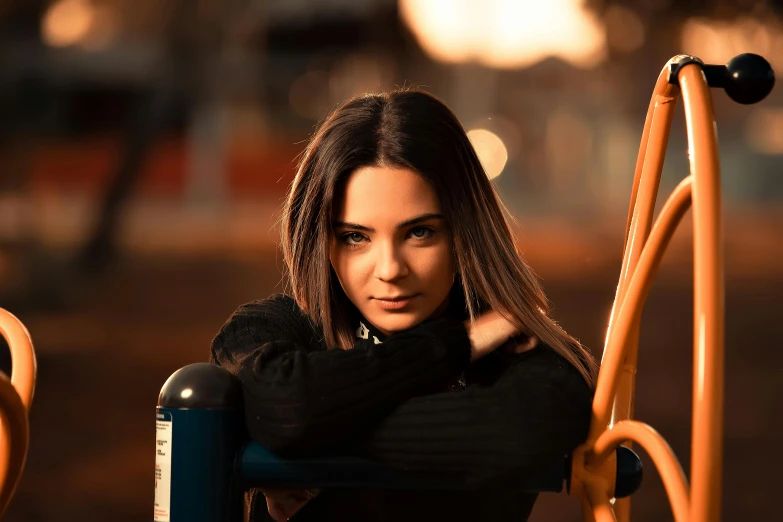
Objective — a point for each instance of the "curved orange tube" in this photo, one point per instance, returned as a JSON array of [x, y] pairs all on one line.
[[708, 307], [661, 454], [647, 175], [14, 440], [592, 474], [25, 367], [16, 397], [631, 305]]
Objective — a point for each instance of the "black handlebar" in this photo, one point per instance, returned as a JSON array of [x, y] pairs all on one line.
[[747, 78]]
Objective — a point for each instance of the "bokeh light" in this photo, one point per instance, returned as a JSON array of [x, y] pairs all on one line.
[[491, 151], [67, 22], [506, 33], [79, 23]]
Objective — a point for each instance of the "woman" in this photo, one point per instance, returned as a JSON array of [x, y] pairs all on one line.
[[415, 336]]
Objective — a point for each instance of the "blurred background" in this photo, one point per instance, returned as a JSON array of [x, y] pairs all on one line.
[[146, 147]]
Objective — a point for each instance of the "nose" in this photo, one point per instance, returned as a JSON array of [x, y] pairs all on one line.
[[390, 263]]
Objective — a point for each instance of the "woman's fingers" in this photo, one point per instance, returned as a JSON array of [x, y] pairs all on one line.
[[289, 495], [521, 345], [282, 504], [276, 510], [282, 511]]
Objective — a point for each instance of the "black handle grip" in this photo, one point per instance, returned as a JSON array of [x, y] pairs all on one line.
[[747, 78]]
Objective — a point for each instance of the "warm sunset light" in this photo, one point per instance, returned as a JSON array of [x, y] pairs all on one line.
[[506, 33]]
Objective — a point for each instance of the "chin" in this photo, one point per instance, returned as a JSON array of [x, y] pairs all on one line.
[[397, 323]]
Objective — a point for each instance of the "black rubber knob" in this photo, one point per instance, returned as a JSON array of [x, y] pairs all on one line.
[[202, 386], [749, 78], [629, 472]]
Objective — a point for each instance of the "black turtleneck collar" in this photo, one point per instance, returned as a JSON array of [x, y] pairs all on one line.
[[367, 331]]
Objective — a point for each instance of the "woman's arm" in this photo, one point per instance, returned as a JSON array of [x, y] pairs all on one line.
[[302, 399], [516, 428]]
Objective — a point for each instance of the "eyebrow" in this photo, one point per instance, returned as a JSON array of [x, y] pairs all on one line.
[[406, 223]]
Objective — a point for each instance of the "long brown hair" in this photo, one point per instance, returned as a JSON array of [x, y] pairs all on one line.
[[412, 129]]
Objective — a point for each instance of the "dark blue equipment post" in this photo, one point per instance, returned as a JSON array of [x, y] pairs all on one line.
[[199, 428]]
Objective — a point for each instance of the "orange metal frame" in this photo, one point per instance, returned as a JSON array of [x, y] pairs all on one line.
[[16, 396], [593, 469]]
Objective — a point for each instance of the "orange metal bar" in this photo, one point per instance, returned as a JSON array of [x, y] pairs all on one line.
[[630, 307], [25, 367], [643, 250], [641, 212], [14, 440], [16, 397], [664, 94], [662, 456], [647, 175], [707, 435], [601, 504], [627, 319]]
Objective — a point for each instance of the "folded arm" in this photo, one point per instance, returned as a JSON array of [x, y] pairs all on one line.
[[301, 398], [516, 428]]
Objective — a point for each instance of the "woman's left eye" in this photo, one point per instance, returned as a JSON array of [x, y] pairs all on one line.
[[422, 232]]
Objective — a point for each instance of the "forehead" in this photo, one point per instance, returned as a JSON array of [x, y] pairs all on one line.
[[379, 193]]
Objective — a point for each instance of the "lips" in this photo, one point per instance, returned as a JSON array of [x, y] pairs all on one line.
[[393, 299], [398, 302]]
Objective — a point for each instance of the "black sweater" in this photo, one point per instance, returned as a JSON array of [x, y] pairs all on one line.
[[394, 400]]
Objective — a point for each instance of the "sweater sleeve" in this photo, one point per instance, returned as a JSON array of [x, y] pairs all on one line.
[[301, 398], [487, 436]]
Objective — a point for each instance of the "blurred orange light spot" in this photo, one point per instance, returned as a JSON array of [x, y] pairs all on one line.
[[67, 22], [506, 33], [491, 151]]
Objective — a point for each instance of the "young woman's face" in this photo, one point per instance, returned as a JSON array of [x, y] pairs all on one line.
[[392, 249]]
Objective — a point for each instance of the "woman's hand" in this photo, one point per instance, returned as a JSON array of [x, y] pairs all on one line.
[[282, 504], [520, 345], [489, 331]]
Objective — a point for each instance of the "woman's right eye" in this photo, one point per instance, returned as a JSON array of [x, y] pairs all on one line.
[[352, 238]]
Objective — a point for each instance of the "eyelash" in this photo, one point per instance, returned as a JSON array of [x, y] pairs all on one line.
[[345, 237]]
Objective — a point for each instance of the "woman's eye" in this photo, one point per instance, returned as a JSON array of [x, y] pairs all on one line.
[[421, 232], [352, 238]]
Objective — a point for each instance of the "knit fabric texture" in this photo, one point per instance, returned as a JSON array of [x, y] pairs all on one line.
[[396, 400]]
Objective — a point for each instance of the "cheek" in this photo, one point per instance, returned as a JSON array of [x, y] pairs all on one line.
[[437, 266], [349, 269]]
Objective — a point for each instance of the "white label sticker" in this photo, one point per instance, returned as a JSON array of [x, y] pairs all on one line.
[[163, 432]]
